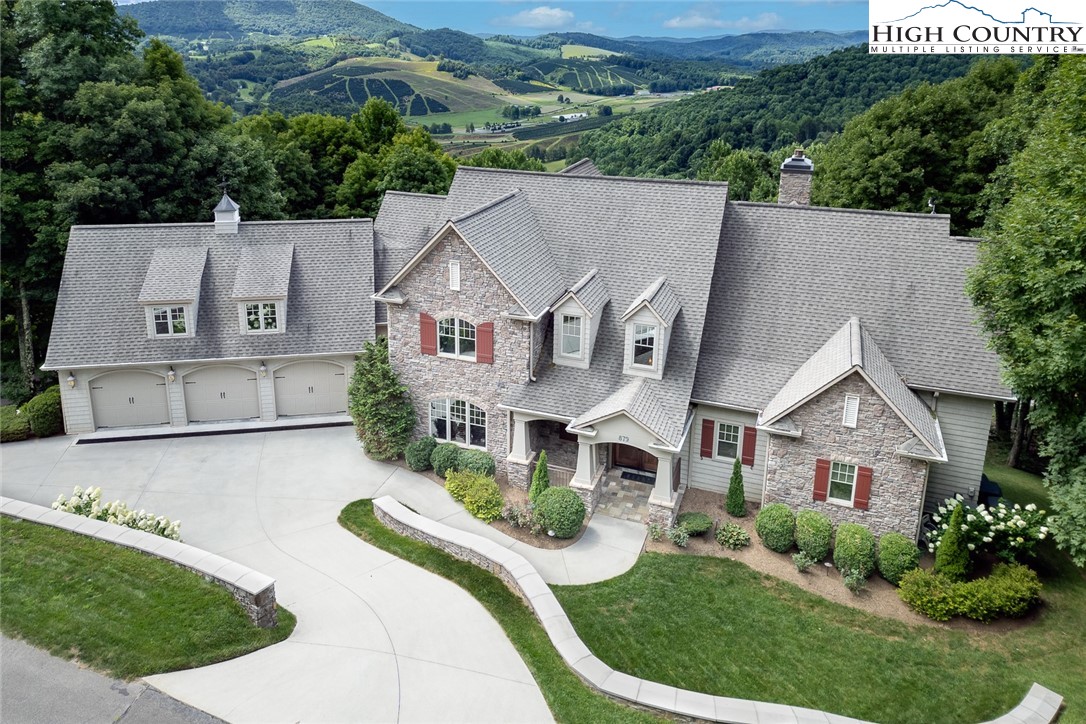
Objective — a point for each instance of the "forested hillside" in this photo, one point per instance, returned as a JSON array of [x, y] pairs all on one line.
[[778, 107]]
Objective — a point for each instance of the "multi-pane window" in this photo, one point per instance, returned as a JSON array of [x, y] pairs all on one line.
[[842, 481], [262, 317], [571, 335], [456, 338], [644, 344], [727, 440], [169, 321], [458, 421]]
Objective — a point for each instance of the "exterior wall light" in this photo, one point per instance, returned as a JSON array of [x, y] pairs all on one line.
[[71, 380], [263, 370], [171, 375]]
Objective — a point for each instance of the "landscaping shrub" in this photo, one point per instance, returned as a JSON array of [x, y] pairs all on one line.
[[776, 526], [521, 517], [444, 458], [803, 561], [43, 413], [483, 497], [854, 550], [418, 453], [1009, 531], [814, 531], [1010, 591], [855, 580], [456, 484], [88, 503], [13, 425], [732, 536], [695, 523], [656, 531], [541, 479], [476, 461], [678, 535], [560, 510], [379, 404], [736, 503], [897, 556], [952, 555], [928, 593]]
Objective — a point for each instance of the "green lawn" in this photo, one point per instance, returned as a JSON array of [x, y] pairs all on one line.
[[115, 609], [715, 625], [569, 699]]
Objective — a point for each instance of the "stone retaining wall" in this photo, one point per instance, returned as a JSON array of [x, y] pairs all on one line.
[[254, 591], [1039, 707]]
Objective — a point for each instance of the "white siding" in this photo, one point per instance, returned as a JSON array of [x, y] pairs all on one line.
[[965, 422], [714, 475], [75, 405]]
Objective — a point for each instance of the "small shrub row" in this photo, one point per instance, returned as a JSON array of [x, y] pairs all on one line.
[[479, 494], [814, 534], [88, 503], [854, 550], [776, 526], [417, 454], [897, 556], [449, 457], [1009, 592]]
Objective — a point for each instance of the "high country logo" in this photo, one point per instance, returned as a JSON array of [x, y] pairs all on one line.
[[1000, 26]]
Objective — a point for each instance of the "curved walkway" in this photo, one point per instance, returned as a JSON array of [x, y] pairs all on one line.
[[377, 638]]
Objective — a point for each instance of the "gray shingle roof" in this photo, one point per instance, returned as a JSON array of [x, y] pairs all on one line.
[[173, 275], [590, 292], [584, 167], [507, 236], [852, 348], [619, 226], [661, 298], [788, 277], [263, 271], [99, 320], [405, 222]]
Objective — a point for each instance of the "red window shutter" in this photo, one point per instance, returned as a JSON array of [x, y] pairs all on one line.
[[822, 479], [863, 488], [484, 343], [428, 333], [750, 440], [708, 432]]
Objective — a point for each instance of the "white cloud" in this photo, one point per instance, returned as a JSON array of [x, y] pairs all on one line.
[[540, 18], [706, 18]]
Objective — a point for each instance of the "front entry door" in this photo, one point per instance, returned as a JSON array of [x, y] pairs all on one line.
[[627, 456]]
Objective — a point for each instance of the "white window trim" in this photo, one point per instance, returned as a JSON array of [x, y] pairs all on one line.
[[280, 316], [738, 443], [186, 313], [562, 335], [655, 346], [470, 357], [846, 419], [467, 422], [850, 503], [454, 275]]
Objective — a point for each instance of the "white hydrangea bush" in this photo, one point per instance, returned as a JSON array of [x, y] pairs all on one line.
[[88, 503], [1009, 531]]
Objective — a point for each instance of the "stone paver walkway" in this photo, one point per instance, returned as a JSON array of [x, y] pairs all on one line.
[[625, 499]]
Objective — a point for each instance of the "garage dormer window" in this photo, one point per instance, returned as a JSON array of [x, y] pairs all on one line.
[[169, 321], [571, 335], [261, 317], [456, 338]]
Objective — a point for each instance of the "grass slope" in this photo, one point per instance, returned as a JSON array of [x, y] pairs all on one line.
[[115, 609]]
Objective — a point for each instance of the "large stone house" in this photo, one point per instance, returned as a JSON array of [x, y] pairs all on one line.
[[644, 328]]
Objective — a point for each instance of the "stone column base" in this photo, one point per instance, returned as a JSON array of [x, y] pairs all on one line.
[[590, 494], [663, 514], [519, 474]]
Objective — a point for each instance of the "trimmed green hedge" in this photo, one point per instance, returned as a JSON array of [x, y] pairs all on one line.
[[695, 523], [479, 494], [897, 556], [854, 549], [13, 425], [814, 533], [1009, 592], [776, 526], [417, 454], [560, 510], [444, 458], [43, 413], [476, 461]]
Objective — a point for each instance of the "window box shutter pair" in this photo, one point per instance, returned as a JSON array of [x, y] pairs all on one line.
[[484, 338], [862, 496], [708, 441]]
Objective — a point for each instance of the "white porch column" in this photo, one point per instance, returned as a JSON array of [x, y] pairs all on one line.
[[521, 447], [661, 492], [585, 463]]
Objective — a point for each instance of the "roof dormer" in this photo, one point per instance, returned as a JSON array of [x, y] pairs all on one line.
[[170, 294], [649, 321], [577, 321], [260, 287]]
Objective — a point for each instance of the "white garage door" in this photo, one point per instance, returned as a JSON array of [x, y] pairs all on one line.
[[221, 393], [310, 388], [124, 399]]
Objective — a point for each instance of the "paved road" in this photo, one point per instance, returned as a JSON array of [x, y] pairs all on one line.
[[377, 638]]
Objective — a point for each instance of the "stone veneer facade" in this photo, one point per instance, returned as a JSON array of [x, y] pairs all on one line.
[[897, 483], [481, 299]]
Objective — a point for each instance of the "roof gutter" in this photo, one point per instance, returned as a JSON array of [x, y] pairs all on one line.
[[106, 365]]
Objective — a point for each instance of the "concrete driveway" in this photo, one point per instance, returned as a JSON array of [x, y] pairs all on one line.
[[377, 638]]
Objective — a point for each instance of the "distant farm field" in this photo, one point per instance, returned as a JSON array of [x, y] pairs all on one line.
[[584, 51]]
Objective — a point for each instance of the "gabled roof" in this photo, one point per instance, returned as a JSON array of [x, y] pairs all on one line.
[[590, 292], [404, 224], [851, 350], [788, 277], [174, 274], [263, 271], [637, 401], [584, 167], [99, 320], [660, 298]]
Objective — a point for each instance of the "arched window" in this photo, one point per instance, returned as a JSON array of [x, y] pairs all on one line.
[[456, 338], [458, 421]]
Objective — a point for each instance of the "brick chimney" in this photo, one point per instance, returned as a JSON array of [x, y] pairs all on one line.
[[227, 216], [796, 180]]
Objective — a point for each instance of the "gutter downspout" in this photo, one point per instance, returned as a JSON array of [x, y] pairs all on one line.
[[531, 351]]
